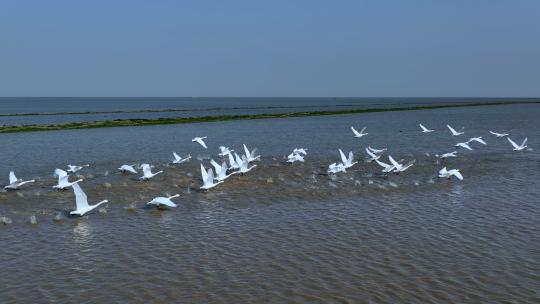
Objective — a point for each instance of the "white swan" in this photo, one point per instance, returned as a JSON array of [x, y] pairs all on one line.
[[163, 201], [200, 140], [477, 139], [300, 151], [449, 173], [446, 155], [74, 168], [424, 129], [516, 146], [81, 201], [63, 180], [147, 172], [336, 168], [224, 151], [251, 155], [399, 167], [294, 157], [359, 134], [127, 168], [221, 170], [498, 134], [208, 179], [179, 160], [386, 167], [454, 132], [243, 164], [15, 183], [372, 156], [464, 145], [376, 151], [347, 161]]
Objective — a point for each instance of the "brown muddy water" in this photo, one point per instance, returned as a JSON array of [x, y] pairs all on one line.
[[281, 233]]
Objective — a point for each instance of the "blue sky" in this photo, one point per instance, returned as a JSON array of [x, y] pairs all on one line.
[[270, 48]]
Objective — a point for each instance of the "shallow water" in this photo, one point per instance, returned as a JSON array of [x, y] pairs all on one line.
[[281, 233]]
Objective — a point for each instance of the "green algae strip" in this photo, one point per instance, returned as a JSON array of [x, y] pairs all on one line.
[[182, 120]]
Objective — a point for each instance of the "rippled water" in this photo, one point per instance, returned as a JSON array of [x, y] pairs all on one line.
[[281, 233]]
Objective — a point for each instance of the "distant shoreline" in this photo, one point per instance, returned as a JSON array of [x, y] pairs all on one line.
[[133, 122]]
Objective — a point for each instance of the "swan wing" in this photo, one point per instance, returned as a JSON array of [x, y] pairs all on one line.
[[393, 161], [342, 155], [216, 166], [513, 143], [456, 173], [204, 174], [81, 200], [524, 142], [246, 150], [12, 177], [451, 129], [354, 131], [60, 173], [423, 128]]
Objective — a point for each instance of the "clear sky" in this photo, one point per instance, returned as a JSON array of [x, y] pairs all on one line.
[[270, 48]]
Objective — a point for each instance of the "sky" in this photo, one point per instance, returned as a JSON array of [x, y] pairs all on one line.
[[292, 48]]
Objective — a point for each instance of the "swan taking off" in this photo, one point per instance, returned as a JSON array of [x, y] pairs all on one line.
[[449, 173], [454, 132], [243, 164], [376, 151], [372, 156], [127, 168], [221, 171], [386, 167], [163, 201], [446, 155], [498, 134], [300, 151], [208, 179], [347, 162], [178, 160], [294, 157], [477, 139], [359, 134], [147, 172], [224, 151], [464, 145], [516, 146], [81, 200], [424, 129], [336, 168], [15, 183], [200, 141], [73, 168], [251, 155], [63, 181], [399, 167]]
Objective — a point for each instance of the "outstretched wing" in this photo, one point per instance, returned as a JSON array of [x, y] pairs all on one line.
[[200, 141], [146, 170], [80, 197], [423, 128], [12, 177], [371, 154], [363, 129], [456, 173], [342, 155], [246, 150], [393, 161], [451, 129], [176, 156], [351, 157], [217, 167], [354, 131], [204, 174], [524, 142], [513, 143]]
